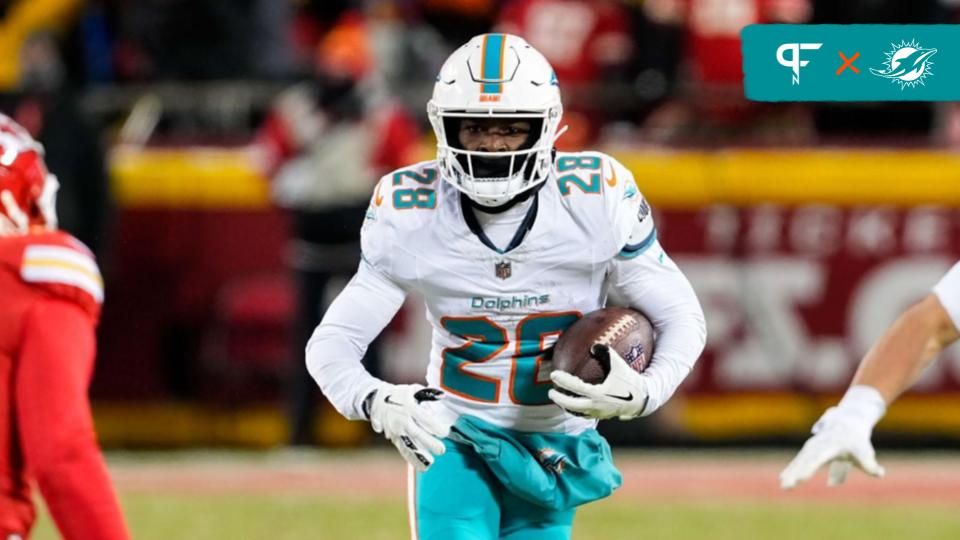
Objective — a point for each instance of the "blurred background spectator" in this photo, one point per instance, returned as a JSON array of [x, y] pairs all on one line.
[[708, 104], [326, 144], [219, 157], [585, 42]]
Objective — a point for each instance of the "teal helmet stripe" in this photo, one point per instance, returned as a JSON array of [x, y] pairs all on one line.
[[492, 63]]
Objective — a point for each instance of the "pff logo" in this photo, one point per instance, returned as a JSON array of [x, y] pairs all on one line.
[[794, 62], [907, 64]]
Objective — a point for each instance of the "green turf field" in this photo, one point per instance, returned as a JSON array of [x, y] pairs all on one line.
[[162, 517], [244, 512]]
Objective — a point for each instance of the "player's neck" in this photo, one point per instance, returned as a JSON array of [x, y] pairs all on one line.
[[502, 230]]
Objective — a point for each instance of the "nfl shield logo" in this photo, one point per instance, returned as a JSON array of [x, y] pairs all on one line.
[[502, 269]]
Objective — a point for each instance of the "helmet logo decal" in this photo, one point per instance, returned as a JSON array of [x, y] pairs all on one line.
[[492, 64]]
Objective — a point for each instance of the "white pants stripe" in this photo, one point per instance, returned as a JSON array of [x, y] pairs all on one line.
[[412, 501]]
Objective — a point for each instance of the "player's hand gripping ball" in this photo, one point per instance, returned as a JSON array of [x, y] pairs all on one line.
[[626, 330], [598, 363]]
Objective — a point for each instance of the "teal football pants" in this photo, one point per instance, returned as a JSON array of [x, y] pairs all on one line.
[[458, 498]]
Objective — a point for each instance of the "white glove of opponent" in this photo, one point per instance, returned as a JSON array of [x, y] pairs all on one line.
[[842, 438], [623, 393], [396, 410]]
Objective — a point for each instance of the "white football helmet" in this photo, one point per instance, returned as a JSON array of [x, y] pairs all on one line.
[[497, 75]]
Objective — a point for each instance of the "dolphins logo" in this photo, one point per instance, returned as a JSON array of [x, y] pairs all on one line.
[[907, 64]]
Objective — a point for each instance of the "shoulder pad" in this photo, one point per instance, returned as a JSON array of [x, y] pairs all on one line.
[[409, 188], [629, 211], [403, 201], [62, 266], [612, 199]]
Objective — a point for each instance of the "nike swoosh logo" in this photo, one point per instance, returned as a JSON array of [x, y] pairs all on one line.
[[377, 198], [628, 397], [612, 179], [390, 401]]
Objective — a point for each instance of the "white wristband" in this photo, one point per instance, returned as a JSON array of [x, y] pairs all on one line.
[[864, 402]]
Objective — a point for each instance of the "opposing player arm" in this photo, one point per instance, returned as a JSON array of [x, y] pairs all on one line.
[[56, 428], [913, 341], [842, 435]]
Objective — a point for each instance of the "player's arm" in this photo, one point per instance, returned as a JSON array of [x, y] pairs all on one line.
[[55, 425], [644, 278], [334, 354], [650, 283], [653, 284], [901, 354], [335, 350], [842, 435]]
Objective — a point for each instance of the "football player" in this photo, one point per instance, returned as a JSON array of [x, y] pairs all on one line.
[[52, 292], [841, 437], [509, 242]]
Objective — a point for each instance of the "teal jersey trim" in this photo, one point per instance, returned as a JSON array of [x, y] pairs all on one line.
[[631, 251]]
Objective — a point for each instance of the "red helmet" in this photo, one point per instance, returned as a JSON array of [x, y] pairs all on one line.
[[27, 189]]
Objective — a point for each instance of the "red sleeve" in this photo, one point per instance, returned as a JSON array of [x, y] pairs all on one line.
[[56, 429]]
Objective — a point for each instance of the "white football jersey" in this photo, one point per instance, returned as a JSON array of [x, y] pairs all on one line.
[[495, 311]]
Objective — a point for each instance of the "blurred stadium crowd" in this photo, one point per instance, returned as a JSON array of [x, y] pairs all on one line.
[[214, 281], [660, 70]]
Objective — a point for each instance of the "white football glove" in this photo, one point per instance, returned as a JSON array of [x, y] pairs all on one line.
[[623, 393], [841, 438], [396, 410]]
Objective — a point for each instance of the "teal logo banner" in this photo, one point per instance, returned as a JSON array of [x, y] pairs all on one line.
[[857, 62]]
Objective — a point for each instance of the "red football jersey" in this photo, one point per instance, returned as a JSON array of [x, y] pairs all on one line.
[[52, 292]]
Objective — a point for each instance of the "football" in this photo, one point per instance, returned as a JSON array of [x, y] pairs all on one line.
[[625, 330]]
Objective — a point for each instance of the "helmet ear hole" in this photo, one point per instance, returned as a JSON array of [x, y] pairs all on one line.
[[451, 128], [536, 131]]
